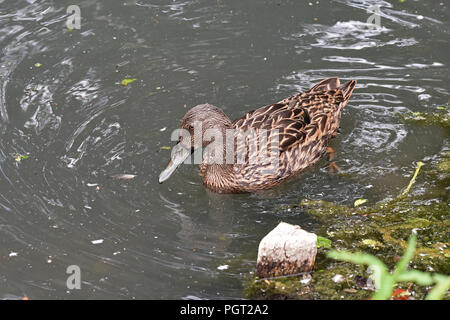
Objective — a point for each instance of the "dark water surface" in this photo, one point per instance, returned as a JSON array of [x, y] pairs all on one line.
[[61, 104]]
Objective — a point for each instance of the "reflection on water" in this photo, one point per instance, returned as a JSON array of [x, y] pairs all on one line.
[[61, 103]]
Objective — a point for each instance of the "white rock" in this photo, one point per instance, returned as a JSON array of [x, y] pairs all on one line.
[[424, 96], [338, 278], [306, 279], [223, 267], [287, 249]]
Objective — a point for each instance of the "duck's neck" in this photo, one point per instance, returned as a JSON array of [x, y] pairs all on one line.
[[217, 167], [219, 177]]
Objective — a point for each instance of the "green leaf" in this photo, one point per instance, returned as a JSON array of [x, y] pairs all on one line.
[[441, 287], [384, 287], [127, 81], [421, 278], [360, 202], [166, 148], [20, 157], [323, 242], [408, 255]]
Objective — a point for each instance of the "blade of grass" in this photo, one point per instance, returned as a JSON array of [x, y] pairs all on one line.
[[407, 256], [420, 278], [413, 179], [383, 279], [441, 287]]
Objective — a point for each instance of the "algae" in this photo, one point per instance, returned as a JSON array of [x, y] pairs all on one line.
[[382, 230], [283, 288], [440, 118]]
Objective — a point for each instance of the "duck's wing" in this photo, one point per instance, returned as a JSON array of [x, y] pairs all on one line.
[[288, 122], [304, 117]]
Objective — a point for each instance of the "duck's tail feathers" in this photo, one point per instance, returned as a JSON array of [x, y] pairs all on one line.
[[347, 89], [327, 84], [334, 84]]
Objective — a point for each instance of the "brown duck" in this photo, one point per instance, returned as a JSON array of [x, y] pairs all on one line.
[[296, 130]]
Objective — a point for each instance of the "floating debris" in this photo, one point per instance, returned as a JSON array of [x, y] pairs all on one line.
[[38, 65], [13, 254], [223, 267], [99, 241], [92, 184], [360, 202], [123, 176], [127, 81], [20, 157]]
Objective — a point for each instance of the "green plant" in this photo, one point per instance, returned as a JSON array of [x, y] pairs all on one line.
[[385, 280]]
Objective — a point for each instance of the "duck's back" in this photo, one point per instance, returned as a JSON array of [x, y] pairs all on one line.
[[304, 123]]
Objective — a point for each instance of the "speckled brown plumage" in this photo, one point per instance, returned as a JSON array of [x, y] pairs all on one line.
[[306, 122]]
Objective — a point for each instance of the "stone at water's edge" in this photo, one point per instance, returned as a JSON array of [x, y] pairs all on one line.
[[287, 249]]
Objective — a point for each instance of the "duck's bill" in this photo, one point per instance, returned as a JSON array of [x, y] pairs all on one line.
[[179, 154]]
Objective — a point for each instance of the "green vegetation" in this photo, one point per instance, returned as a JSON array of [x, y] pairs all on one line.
[[385, 281], [381, 230], [323, 242], [440, 118]]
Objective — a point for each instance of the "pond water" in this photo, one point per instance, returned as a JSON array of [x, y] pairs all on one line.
[[62, 104]]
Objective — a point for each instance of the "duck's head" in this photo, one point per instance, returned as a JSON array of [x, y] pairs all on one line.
[[193, 134]]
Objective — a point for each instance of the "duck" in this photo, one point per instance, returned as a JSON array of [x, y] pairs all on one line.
[[264, 147]]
